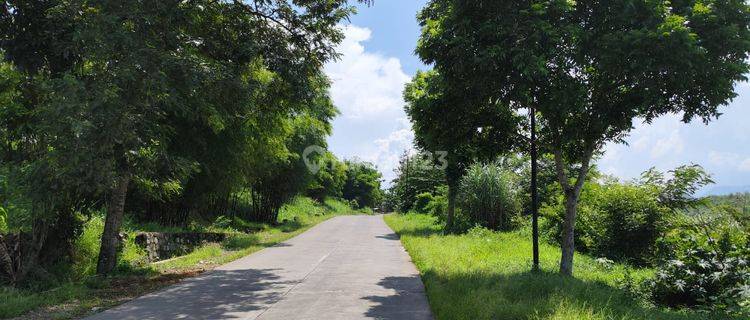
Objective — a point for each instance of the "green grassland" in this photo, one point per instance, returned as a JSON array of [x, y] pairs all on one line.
[[486, 275]]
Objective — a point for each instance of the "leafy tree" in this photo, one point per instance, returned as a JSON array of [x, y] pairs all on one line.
[[678, 192], [590, 68], [279, 179], [329, 180], [114, 90], [362, 183], [416, 174], [464, 128]]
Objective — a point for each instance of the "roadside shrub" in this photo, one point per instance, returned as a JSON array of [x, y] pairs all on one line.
[[86, 247], [618, 221], [632, 221], [438, 207], [487, 196], [422, 202], [222, 222], [706, 274]]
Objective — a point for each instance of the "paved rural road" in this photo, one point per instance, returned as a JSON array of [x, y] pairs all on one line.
[[349, 267]]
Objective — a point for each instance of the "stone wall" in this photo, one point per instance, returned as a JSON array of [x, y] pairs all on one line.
[[161, 246]]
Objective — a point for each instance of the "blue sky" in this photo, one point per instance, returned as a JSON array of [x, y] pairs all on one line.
[[378, 59]]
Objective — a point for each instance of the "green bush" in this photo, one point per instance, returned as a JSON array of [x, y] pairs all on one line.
[[705, 273], [222, 222], [86, 248], [632, 221], [618, 221], [422, 202], [487, 196], [438, 207]]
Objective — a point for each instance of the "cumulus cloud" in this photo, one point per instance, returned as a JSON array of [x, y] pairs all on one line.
[[365, 84], [669, 145], [367, 88]]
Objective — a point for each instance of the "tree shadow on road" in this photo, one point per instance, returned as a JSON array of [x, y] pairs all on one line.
[[407, 303], [219, 294]]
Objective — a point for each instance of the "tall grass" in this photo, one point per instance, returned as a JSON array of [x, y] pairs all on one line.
[[487, 194]]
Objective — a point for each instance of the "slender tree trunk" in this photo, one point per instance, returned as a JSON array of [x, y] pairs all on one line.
[[572, 193], [568, 235], [115, 213]]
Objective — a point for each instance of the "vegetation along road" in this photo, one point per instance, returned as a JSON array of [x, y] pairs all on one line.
[[349, 267]]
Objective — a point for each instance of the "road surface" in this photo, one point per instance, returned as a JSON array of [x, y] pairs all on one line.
[[349, 267]]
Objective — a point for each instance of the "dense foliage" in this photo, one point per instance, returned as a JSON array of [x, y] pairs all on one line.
[[705, 272], [416, 174], [174, 112], [362, 185], [488, 196], [456, 127], [624, 221]]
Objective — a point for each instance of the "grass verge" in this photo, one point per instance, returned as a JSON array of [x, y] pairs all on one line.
[[89, 294], [485, 275]]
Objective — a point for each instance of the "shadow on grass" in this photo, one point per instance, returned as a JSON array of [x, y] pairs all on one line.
[[537, 295], [496, 293]]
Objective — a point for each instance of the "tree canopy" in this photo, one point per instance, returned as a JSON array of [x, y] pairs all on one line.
[[170, 101]]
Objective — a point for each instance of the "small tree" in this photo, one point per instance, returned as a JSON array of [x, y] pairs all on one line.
[[362, 183], [416, 174], [463, 128]]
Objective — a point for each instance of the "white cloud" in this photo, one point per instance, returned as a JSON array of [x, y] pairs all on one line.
[[367, 88], [365, 84], [670, 145], [723, 158]]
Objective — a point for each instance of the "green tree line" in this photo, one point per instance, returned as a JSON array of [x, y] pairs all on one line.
[[139, 106]]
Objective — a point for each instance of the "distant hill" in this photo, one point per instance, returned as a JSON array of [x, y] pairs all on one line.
[[724, 190]]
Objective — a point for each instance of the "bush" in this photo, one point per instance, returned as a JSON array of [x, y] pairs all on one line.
[[705, 273], [222, 222], [438, 207], [422, 202], [618, 221], [86, 247], [487, 196]]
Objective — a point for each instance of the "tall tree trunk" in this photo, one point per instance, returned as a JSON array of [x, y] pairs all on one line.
[[6, 262], [30, 251], [572, 193], [568, 235], [115, 213]]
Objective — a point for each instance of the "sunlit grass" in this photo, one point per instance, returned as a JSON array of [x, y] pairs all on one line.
[[486, 275]]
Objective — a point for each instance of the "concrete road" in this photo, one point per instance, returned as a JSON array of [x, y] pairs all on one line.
[[350, 267]]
